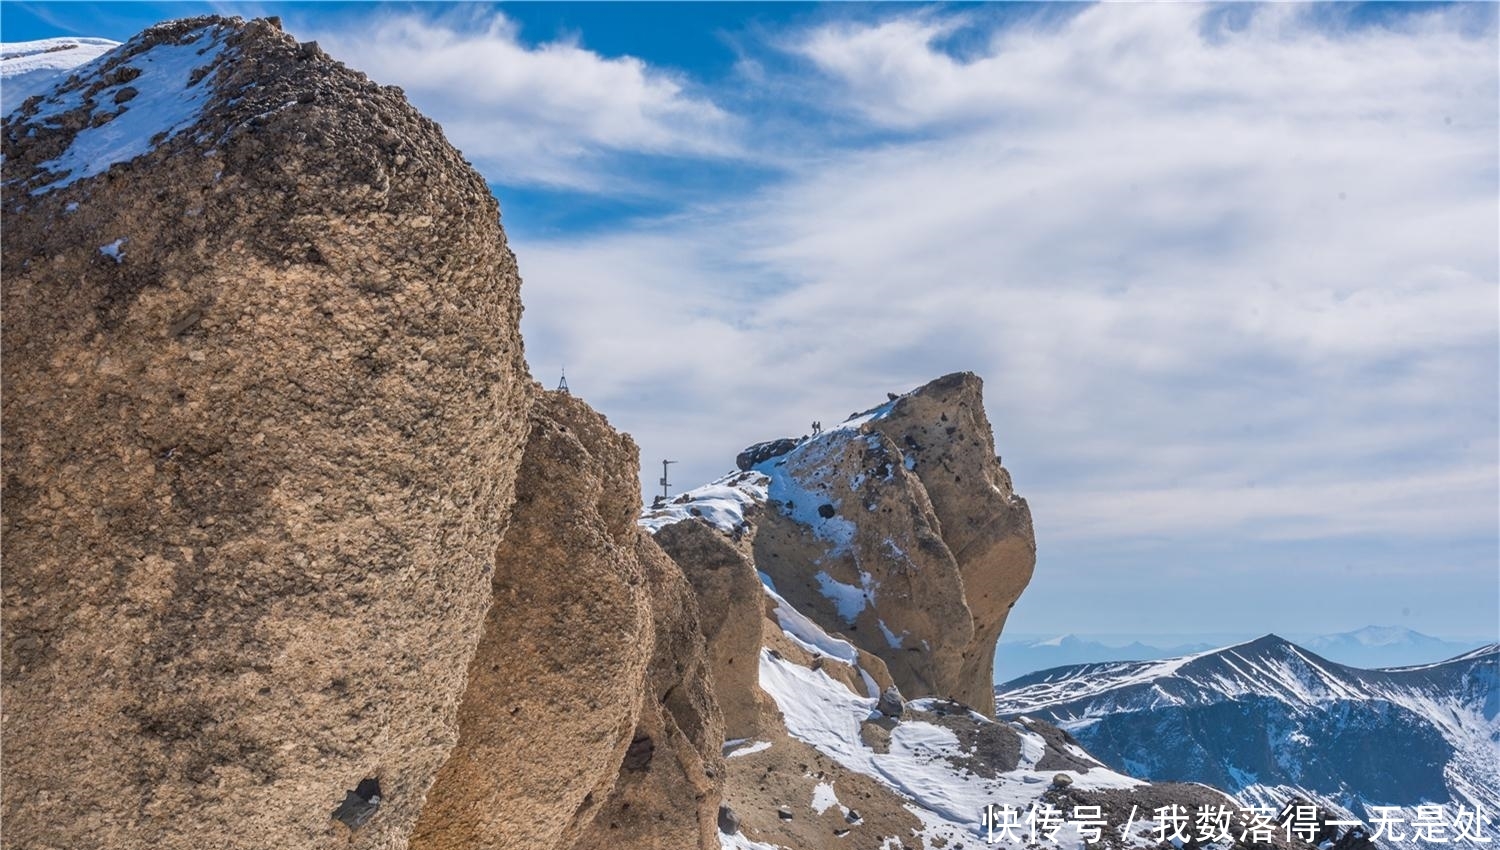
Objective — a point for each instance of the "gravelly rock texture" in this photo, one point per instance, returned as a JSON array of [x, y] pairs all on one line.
[[264, 402]]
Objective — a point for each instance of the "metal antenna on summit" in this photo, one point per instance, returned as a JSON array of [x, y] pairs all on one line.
[[664, 485], [562, 386]]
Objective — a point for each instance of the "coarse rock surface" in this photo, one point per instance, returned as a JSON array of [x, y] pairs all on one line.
[[264, 400], [670, 785], [901, 532], [731, 611], [943, 430], [557, 683]]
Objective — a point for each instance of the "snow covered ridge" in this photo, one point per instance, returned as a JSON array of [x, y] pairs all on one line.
[[924, 761], [935, 770], [1287, 723], [118, 106], [725, 502], [30, 68], [722, 504]]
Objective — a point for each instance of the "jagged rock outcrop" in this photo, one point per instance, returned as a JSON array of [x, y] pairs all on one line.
[[669, 787], [942, 428], [555, 686], [589, 713], [898, 530], [264, 400], [731, 610], [901, 531]]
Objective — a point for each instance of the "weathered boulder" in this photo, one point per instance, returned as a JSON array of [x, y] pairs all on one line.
[[264, 400], [762, 452], [890, 703]]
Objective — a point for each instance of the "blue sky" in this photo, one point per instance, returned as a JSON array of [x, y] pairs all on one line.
[[1229, 272]]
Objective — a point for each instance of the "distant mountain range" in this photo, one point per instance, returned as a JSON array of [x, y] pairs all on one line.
[[1017, 657], [1268, 720], [1371, 647], [1385, 646]]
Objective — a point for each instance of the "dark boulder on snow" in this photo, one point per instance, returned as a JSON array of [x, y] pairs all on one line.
[[762, 452]]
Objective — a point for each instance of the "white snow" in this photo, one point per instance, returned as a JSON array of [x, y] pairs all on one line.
[[794, 477], [891, 638], [824, 799], [919, 766], [722, 504], [738, 841], [807, 634], [167, 102], [848, 599], [115, 250], [30, 68], [756, 747]]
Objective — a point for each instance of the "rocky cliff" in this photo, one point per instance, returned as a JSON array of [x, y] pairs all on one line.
[[265, 410], [898, 530], [264, 402], [588, 718], [889, 552]]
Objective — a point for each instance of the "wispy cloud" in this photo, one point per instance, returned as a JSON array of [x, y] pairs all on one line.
[[551, 113], [1224, 274]]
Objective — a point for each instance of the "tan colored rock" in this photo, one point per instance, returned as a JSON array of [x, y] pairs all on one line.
[[903, 535], [943, 427], [257, 455], [667, 793], [556, 686], [731, 612], [787, 774]]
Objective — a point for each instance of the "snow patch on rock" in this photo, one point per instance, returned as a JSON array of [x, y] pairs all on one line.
[[29, 68]]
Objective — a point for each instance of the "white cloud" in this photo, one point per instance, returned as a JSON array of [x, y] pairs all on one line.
[[1219, 280], [545, 114]]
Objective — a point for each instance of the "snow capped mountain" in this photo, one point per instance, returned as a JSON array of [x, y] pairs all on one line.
[[1268, 721], [1372, 647]]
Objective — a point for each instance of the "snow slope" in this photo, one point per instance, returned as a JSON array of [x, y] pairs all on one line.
[[32, 67], [123, 104], [922, 763]]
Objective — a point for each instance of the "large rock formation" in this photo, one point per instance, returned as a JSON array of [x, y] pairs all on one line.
[[667, 793], [264, 400], [589, 685], [945, 438], [264, 405], [731, 608], [555, 686], [900, 530], [295, 556]]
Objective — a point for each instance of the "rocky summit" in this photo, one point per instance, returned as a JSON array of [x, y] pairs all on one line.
[[277, 487], [898, 529]]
